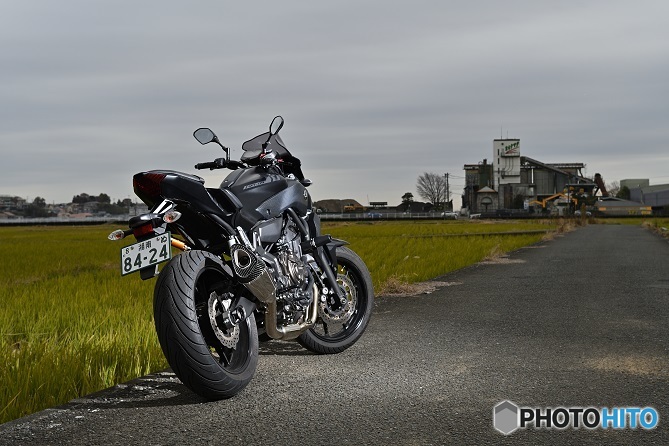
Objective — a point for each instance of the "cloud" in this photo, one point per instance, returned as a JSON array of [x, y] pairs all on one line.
[[373, 94]]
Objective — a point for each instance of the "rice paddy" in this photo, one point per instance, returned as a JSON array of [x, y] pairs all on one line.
[[71, 325], [413, 252]]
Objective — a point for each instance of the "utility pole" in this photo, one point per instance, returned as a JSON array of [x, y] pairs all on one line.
[[448, 192]]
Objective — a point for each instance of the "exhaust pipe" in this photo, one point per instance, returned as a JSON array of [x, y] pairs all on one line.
[[286, 332], [252, 272]]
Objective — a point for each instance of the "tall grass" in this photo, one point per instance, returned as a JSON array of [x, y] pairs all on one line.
[[71, 325], [658, 225], [411, 252]]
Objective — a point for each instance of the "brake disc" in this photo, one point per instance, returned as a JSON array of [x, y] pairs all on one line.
[[229, 337], [344, 313]]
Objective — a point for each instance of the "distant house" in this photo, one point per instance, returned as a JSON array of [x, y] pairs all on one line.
[[90, 207], [337, 206], [415, 207], [138, 209], [8, 202]]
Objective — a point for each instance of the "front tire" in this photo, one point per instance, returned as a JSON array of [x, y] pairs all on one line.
[[212, 361], [339, 328]]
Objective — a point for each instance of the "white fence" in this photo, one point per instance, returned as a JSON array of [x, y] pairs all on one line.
[[387, 216], [125, 218], [63, 220]]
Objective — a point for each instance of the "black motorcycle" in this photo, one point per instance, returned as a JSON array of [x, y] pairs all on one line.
[[254, 265]]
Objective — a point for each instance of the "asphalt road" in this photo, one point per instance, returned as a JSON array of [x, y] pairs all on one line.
[[580, 321]]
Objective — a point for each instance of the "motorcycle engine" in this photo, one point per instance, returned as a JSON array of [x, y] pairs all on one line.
[[294, 294]]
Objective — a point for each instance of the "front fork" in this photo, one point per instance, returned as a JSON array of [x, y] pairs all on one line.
[[326, 258]]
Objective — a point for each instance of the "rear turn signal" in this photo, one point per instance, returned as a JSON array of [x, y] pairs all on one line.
[[171, 216], [116, 235]]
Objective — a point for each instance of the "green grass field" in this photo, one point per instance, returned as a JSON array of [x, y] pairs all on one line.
[[416, 251], [71, 325]]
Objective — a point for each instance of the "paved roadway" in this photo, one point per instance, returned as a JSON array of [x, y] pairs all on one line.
[[577, 321]]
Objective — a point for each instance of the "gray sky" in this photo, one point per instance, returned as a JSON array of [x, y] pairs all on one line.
[[374, 93]]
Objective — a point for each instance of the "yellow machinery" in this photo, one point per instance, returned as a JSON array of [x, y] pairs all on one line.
[[545, 201]]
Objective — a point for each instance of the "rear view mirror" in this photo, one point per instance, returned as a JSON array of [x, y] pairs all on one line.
[[204, 135], [276, 125]]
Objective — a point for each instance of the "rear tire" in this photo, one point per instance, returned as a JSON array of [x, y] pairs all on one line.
[[336, 331], [212, 361]]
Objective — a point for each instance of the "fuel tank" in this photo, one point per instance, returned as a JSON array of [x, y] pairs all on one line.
[[264, 194]]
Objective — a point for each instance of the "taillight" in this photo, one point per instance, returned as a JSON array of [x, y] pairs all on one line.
[[147, 184], [143, 230]]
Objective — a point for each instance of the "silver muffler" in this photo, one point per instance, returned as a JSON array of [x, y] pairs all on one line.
[[252, 272]]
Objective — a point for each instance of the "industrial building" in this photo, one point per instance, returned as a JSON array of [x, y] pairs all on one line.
[[617, 207], [515, 182], [656, 196]]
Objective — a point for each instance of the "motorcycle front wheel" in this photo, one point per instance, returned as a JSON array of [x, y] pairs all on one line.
[[190, 301], [340, 325]]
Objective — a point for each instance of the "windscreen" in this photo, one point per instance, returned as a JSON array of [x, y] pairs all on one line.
[[253, 147]]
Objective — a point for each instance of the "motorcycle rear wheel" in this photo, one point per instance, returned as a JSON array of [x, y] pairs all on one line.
[[213, 362], [336, 331]]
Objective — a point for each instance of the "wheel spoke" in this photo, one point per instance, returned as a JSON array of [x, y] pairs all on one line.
[[208, 290], [224, 359]]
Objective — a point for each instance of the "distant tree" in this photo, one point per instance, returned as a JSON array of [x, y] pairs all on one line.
[[613, 188], [112, 209], [39, 202], [623, 193], [81, 198], [432, 187], [37, 208], [407, 199], [85, 198]]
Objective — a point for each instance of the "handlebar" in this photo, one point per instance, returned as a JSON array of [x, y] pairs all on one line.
[[209, 165], [220, 163], [234, 165]]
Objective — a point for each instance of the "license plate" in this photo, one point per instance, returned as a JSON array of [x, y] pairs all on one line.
[[149, 252]]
